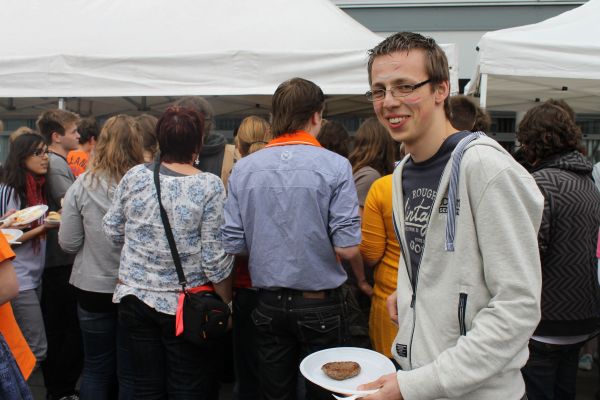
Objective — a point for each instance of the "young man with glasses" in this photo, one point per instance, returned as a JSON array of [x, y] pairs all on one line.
[[467, 217]]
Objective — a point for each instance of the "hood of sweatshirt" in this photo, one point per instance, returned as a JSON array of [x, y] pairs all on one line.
[[213, 144], [572, 161]]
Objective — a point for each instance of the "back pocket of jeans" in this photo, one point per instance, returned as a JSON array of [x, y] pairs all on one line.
[[320, 330]]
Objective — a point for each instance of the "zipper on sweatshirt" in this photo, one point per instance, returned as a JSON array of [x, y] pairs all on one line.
[[414, 283], [462, 307]]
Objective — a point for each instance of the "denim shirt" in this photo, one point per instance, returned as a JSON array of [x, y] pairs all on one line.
[[288, 206], [194, 206]]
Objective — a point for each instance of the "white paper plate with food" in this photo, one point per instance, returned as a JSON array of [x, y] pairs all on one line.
[[28, 215], [349, 375], [12, 235]]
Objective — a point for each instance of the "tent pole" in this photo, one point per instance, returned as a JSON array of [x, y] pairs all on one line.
[[61, 103], [483, 91]]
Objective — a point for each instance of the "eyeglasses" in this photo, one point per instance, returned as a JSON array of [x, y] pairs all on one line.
[[397, 91], [41, 152]]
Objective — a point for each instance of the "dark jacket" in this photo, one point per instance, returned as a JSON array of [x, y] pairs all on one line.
[[567, 240], [211, 155]]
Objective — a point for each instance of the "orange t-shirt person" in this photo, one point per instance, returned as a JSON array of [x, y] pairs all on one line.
[[8, 326], [78, 160]]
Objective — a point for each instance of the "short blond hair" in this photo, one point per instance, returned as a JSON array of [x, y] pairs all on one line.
[[18, 132]]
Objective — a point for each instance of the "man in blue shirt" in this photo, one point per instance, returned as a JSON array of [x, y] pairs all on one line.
[[292, 207]]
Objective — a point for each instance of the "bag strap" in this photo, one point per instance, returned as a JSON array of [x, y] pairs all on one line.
[[168, 231]]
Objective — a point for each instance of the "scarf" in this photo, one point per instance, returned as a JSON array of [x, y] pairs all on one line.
[[298, 137], [34, 195]]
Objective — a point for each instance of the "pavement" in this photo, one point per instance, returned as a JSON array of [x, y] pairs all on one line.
[[36, 384], [587, 384]]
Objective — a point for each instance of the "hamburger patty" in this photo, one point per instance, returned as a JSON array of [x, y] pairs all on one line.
[[340, 370]]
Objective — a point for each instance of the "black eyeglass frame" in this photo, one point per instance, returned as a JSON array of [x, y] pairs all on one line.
[[406, 90], [41, 152]]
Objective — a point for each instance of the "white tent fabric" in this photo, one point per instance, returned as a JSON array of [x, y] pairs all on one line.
[[148, 52], [555, 58]]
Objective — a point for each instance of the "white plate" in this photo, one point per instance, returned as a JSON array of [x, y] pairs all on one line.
[[372, 366], [28, 215], [12, 235]]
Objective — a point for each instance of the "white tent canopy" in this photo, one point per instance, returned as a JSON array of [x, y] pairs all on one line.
[[106, 56], [556, 58]]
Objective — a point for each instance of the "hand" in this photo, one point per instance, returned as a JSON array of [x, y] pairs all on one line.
[[388, 388], [365, 287], [50, 225], [392, 306], [8, 221]]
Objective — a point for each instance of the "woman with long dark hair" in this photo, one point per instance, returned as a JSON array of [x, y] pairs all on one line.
[[107, 374], [22, 185], [165, 364]]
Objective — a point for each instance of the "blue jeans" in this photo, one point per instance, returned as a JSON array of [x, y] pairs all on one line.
[[551, 371], [167, 366], [290, 325], [107, 370]]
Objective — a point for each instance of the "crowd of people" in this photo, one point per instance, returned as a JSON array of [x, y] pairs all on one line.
[[473, 269]]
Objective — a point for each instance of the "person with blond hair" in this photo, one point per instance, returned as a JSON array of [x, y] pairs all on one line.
[[95, 270], [253, 134], [18, 132]]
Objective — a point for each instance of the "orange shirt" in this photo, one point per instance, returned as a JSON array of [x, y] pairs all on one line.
[[379, 243], [77, 160], [8, 326]]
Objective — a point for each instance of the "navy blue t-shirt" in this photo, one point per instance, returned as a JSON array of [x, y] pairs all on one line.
[[420, 183]]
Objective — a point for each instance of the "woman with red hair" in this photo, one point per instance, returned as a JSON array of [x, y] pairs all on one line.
[[166, 365]]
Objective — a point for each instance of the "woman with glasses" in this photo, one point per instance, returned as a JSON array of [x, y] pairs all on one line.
[[22, 185], [107, 373]]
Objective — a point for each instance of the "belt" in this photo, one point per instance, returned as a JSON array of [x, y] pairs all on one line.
[[306, 294]]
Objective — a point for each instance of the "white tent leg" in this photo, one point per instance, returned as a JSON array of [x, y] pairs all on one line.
[[61, 103], [483, 91]]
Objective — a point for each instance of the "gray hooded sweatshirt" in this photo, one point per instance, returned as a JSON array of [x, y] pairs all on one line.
[[464, 328]]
